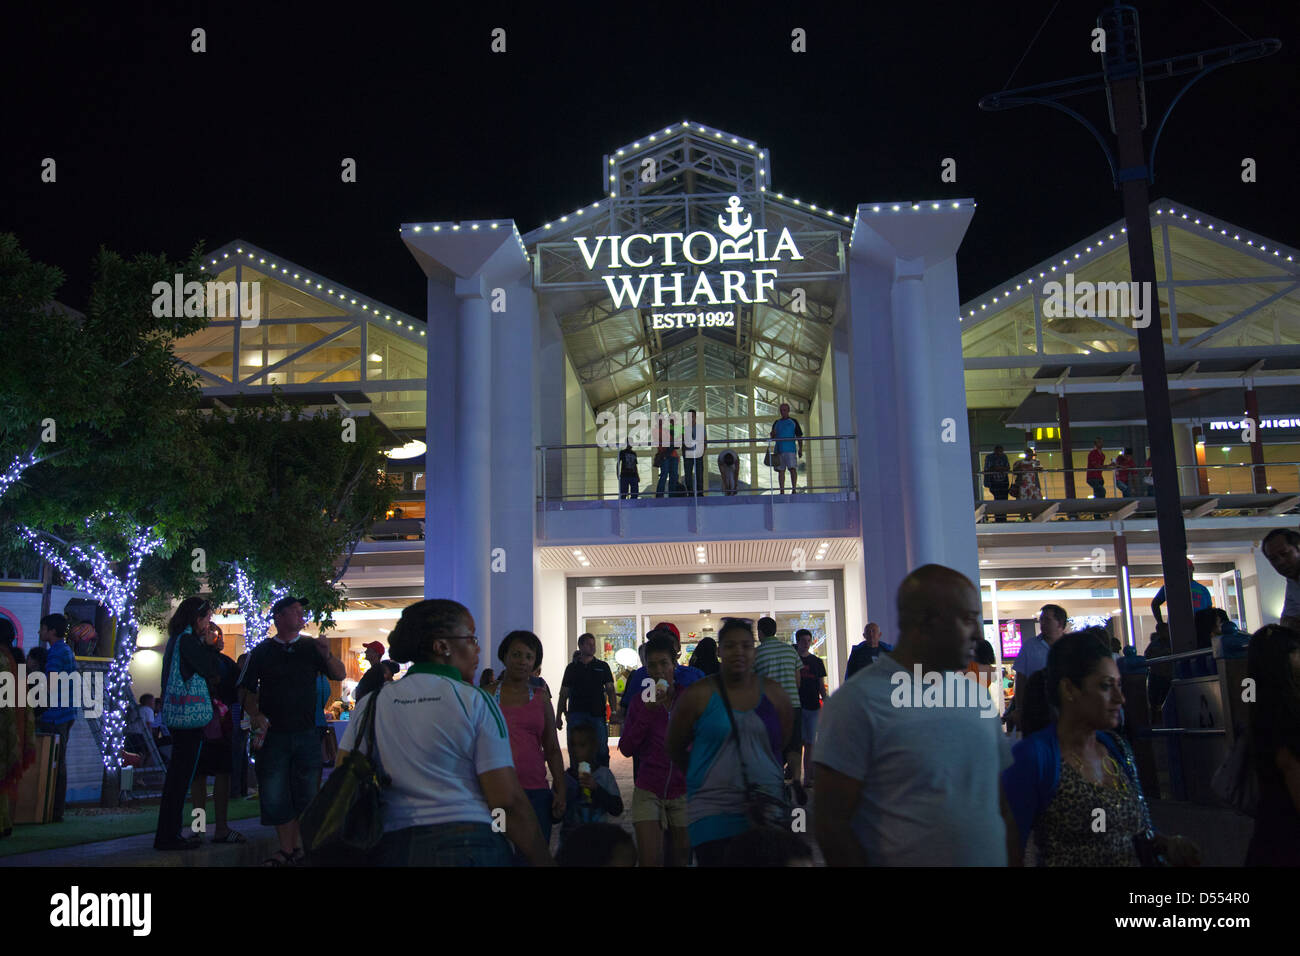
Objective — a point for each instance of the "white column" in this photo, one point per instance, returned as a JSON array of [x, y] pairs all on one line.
[[922, 487], [472, 460]]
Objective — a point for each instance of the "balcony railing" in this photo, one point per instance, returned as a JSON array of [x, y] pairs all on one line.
[[590, 472], [1204, 489]]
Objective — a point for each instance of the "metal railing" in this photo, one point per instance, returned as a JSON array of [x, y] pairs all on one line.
[[1279, 478], [590, 472]]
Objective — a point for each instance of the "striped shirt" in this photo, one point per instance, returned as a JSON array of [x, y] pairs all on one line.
[[779, 662]]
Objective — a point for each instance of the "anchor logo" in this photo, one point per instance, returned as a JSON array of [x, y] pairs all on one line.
[[735, 248]]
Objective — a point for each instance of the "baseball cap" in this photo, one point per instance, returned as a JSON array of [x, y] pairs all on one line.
[[376, 646], [666, 626], [284, 602]]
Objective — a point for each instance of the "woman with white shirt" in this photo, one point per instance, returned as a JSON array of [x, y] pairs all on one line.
[[445, 746]]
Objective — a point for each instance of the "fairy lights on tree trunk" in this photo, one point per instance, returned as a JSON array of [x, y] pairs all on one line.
[[118, 594]]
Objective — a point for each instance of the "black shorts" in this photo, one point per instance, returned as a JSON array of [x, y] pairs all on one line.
[[216, 756]]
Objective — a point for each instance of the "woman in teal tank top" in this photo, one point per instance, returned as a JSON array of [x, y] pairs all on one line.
[[700, 738]]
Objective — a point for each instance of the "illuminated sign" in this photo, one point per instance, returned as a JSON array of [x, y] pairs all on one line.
[[1263, 423], [674, 287], [1011, 640]]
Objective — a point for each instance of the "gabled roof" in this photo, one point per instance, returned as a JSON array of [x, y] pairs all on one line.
[[351, 302], [313, 337], [1221, 250], [1229, 301]]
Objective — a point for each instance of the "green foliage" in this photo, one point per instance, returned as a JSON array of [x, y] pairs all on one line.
[[124, 413], [270, 486], [293, 501]]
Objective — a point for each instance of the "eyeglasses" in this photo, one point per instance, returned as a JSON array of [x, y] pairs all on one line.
[[463, 637]]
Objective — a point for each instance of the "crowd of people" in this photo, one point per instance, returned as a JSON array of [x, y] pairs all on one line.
[[740, 755], [1023, 481], [681, 464]]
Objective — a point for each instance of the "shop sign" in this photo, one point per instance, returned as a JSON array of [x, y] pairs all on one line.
[[1263, 423], [673, 287]]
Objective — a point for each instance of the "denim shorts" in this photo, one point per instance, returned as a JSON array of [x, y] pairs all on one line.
[[808, 724], [444, 844], [288, 773]]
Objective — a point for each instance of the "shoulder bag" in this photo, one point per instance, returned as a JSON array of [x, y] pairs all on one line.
[[187, 705], [344, 823], [761, 808], [1144, 843]]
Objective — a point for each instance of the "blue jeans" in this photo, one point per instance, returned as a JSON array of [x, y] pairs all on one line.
[[628, 484], [602, 734], [288, 773], [695, 475], [444, 844], [667, 474]]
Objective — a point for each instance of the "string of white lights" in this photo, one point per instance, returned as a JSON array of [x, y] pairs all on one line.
[[118, 594]]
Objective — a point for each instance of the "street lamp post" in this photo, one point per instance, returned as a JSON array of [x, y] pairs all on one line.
[[1123, 78]]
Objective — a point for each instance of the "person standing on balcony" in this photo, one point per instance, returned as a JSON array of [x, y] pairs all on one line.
[[1282, 548], [666, 460], [788, 434], [693, 448], [1126, 474], [997, 477], [629, 478], [1026, 471], [1096, 462]]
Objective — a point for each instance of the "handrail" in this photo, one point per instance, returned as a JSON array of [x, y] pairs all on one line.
[[1139, 468], [717, 442], [1181, 655]]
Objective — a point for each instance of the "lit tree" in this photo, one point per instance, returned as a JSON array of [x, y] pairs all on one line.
[[94, 572], [257, 622]]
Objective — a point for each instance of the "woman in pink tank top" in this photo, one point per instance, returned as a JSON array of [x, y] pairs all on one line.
[[530, 719]]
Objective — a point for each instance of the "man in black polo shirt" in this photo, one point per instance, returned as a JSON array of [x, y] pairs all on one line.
[[588, 683], [279, 684]]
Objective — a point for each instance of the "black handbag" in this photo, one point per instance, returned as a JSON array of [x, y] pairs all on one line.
[[761, 808], [343, 823]]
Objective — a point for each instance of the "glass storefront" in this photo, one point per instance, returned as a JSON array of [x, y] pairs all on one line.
[[629, 612]]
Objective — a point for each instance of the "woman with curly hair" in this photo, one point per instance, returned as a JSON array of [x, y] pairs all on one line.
[[444, 746]]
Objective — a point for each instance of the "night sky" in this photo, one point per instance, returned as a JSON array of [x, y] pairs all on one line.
[[158, 147]]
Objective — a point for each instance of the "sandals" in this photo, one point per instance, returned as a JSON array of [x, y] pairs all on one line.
[[231, 836], [280, 858]]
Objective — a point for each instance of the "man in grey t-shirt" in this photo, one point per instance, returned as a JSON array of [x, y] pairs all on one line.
[[906, 778], [1282, 548]]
